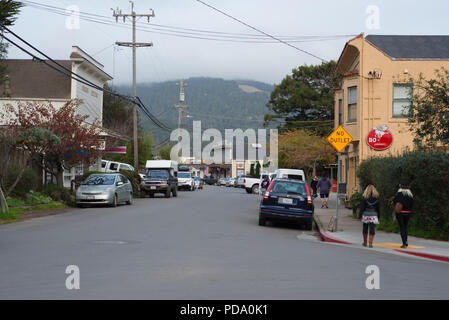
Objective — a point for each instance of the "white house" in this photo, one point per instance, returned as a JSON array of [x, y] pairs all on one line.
[[33, 81]]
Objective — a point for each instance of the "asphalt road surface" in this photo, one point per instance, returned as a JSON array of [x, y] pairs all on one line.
[[204, 244]]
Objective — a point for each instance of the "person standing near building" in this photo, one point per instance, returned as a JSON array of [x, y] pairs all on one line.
[[369, 209], [324, 185], [313, 185], [403, 204]]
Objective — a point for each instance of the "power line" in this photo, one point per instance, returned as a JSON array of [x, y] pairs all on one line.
[[79, 78], [191, 33], [258, 30]]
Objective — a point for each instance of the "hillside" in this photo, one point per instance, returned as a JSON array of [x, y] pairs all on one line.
[[218, 103]]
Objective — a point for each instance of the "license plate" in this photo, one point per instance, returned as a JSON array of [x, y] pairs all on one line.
[[153, 188], [90, 197], [285, 201]]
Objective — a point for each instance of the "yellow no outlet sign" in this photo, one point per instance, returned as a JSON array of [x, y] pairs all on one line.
[[339, 138]]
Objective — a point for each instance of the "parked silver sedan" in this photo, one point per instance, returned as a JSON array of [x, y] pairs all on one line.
[[107, 188]]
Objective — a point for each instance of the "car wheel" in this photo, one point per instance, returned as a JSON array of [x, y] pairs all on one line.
[[248, 190], [262, 221], [143, 194], [114, 201], [168, 193], [130, 201], [255, 189], [175, 192]]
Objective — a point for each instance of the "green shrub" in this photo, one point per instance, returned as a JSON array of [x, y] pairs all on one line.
[[355, 201], [29, 181], [35, 198], [135, 179], [57, 193], [427, 173]]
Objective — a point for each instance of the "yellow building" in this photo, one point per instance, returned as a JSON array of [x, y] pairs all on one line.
[[374, 93]]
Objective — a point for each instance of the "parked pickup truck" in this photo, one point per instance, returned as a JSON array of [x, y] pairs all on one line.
[[251, 185]]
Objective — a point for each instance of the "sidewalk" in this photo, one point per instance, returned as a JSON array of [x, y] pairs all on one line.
[[350, 233]]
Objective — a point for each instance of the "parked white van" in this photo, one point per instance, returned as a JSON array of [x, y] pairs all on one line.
[[295, 174], [114, 166]]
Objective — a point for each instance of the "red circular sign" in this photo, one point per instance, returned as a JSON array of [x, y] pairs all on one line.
[[379, 139]]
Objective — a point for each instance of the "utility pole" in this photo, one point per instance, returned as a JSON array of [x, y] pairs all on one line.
[[118, 13], [180, 106]]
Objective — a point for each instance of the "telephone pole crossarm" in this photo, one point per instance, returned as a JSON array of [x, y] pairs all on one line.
[[134, 45]]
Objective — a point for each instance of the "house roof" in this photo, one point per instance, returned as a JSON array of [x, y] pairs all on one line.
[[423, 47], [33, 79]]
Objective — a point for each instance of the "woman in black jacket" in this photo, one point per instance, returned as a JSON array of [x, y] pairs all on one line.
[[405, 197], [369, 210]]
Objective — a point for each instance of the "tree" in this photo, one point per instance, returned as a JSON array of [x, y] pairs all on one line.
[[8, 14], [429, 110], [37, 142], [305, 99], [301, 149], [80, 142], [145, 143], [117, 113], [164, 152]]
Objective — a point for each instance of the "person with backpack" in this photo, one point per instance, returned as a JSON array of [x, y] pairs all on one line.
[[403, 204], [369, 211], [324, 184]]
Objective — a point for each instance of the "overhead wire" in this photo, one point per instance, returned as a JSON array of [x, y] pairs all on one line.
[[76, 77], [258, 30], [189, 33]]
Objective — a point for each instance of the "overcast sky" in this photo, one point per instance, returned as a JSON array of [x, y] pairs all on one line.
[[174, 57]]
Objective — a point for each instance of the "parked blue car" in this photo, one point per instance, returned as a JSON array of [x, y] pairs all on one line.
[[287, 200]]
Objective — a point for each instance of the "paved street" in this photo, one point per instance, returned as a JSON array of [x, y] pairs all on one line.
[[204, 244]]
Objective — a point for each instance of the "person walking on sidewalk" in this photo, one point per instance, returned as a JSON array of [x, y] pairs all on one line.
[[324, 184], [313, 185], [369, 209], [403, 204]]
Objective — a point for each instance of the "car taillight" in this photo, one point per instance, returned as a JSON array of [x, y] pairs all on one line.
[[244, 180], [309, 198], [267, 193]]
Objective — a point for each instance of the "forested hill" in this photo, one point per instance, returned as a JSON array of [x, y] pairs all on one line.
[[218, 103]]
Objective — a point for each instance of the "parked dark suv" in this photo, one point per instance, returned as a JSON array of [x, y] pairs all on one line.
[[287, 200], [159, 181], [210, 180]]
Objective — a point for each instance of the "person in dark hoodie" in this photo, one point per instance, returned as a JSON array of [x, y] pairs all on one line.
[[405, 197], [369, 210]]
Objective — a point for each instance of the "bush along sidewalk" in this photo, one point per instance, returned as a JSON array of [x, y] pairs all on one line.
[[427, 172]]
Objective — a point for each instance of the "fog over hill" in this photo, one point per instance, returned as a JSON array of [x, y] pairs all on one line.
[[217, 103]]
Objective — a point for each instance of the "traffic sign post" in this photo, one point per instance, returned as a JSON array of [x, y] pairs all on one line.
[[339, 139]]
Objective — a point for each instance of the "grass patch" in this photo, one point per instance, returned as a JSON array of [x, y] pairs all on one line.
[[31, 202]]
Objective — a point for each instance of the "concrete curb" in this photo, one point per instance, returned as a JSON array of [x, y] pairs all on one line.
[[425, 255], [325, 237]]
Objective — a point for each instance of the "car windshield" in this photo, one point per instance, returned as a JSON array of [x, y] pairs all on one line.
[[106, 180], [289, 187], [183, 174], [159, 174], [197, 178]]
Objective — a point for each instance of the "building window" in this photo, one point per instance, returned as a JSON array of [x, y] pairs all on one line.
[[340, 111], [352, 104], [402, 99]]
